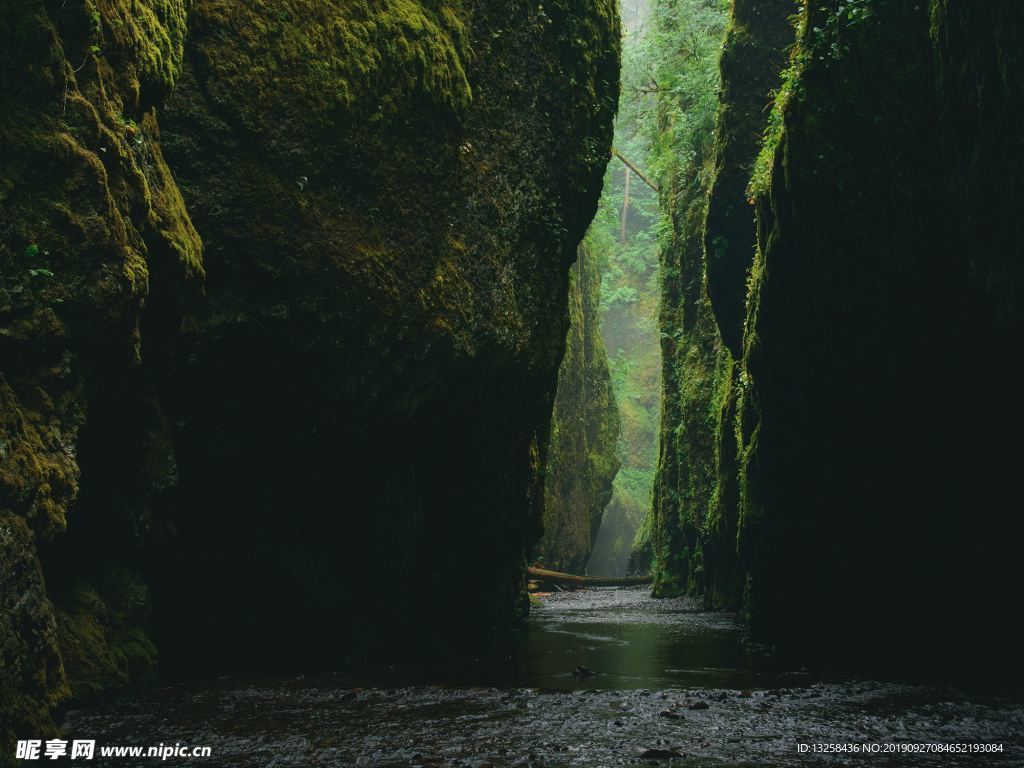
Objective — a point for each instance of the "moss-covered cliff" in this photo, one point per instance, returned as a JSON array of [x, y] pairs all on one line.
[[882, 318], [859, 489], [322, 335], [696, 366], [753, 54], [696, 507], [582, 459], [90, 218]]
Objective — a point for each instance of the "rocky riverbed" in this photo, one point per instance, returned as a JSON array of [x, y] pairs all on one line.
[[673, 685]]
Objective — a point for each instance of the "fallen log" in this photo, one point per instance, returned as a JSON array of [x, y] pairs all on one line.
[[554, 577], [634, 169]]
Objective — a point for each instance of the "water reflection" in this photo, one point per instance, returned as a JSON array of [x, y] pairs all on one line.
[[633, 641], [672, 680]]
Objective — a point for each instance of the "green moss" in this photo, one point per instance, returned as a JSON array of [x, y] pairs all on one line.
[[167, 217], [38, 479], [371, 58], [150, 34], [693, 473], [93, 200], [581, 460], [391, 193], [104, 639], [90, 209]]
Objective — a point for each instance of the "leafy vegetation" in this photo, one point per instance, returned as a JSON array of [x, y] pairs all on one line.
[[686, 41], [666, 125], [623, 239]]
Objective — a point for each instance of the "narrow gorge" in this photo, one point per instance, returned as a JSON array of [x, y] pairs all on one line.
[[322, 322]]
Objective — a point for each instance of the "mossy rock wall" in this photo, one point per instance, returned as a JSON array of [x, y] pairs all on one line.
[[753, 54], [582, 458], [319, 339], [689, 538], [705, 272], [856, 463], [89, 216], [691, 518], [877, 460], [367, 386]]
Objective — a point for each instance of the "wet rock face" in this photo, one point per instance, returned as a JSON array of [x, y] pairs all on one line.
[[880, 320], [753, 54], [33, 678], [89, 215], [362, 389], [366, 387], [882, 312], [582, 458]]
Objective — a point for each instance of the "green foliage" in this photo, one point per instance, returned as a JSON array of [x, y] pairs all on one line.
[[629, 300], [686, 38], [665, 123], [828, 38], [760, 179]]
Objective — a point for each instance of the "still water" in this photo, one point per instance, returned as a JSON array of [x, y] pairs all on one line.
[[674, 685]]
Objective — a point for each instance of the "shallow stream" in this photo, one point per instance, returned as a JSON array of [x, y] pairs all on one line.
[[674, 685]]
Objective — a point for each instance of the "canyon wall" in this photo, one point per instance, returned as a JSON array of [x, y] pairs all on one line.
[[859, 503], [283, 304], [877, 458], [706, 263], [95, 246], [690, 494], [582, 458]]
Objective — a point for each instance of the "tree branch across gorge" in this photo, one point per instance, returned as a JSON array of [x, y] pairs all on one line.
[[635, 170]]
